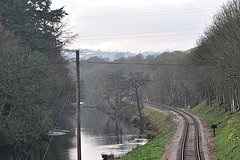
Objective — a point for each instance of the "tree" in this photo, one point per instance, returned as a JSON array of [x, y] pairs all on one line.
[[219, 50], [115, 87], [27, 87], [137, 81], [34, 22], [30, 78]]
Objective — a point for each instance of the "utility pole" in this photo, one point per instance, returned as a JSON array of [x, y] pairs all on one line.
[[78, 107]]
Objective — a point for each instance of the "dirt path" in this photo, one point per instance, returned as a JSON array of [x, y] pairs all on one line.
[[170, 150]]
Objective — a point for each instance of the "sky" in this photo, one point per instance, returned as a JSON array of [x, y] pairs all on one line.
[[137, 25]]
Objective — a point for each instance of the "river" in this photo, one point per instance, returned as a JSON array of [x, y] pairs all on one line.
[[100, 134]]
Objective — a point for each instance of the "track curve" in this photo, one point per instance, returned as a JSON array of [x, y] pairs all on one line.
[[189, 147]]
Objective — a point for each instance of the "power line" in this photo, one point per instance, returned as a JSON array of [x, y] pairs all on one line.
[[186, 11], [135, 15], [64, 105], [149, 64], [55, 64], [134, 63], [156, 36], [46, 118], [91, 97], [139, 33], [147, 13]]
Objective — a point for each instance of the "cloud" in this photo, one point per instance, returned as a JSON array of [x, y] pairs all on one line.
[[120, 19]]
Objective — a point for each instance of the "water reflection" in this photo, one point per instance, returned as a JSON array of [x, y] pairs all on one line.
[[100, 135], [103, 135]]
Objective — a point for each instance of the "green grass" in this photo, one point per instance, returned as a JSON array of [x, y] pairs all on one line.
[[227, 138], [153, 149]]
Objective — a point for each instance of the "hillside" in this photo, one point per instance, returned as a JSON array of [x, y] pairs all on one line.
[[227, 138]]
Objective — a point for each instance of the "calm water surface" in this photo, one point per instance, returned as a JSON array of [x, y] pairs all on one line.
[[100, 135], [103, 135]]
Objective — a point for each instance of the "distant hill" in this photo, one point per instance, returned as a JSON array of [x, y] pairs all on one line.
[[111, 56], [85, 54]]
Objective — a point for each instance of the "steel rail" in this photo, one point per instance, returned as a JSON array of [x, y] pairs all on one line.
[[186, 122], [197, 135]]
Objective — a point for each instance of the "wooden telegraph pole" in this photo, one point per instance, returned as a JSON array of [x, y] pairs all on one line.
[[78, 107]]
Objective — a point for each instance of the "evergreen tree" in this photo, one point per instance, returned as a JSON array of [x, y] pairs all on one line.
[[34, 21], [29, 48]]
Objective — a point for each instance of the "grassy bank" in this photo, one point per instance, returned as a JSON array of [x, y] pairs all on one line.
[[161, 123], [227, 138]]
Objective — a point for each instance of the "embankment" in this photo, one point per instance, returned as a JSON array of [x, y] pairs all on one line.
[[160, 125], [227, 138]]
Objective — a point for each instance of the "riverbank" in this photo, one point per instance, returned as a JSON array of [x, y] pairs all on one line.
[[160, 127], [227, 138]]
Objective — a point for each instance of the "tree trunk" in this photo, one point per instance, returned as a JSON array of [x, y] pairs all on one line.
[[206, 97], [217, 101], [210, 101], [140, 113]]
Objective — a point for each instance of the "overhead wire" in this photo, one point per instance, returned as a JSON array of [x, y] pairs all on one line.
[[63, 107], [15, 78], [136, 15], [118, 128], [110, 37], [68, 96], [141, 15], [157, 36], [119, 63], [51, 108], [91, 97], [56, 64], [139, 33], [127, 16], [133, 63]]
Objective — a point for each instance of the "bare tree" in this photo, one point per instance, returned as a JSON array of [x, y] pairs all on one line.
[[115, 87], [137, 81]]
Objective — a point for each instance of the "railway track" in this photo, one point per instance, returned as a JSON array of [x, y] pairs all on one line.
[[189, 147]]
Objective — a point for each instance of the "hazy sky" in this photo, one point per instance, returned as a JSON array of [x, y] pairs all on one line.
[[138, 25]]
